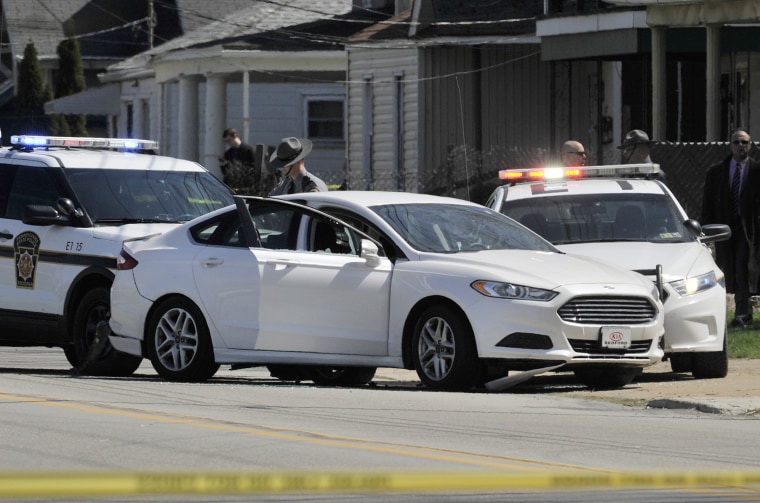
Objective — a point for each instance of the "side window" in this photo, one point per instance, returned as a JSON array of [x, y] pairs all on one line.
[[330, 237], [31, 185], [7, 172], [224, 230], [277, 226], [387, 249]]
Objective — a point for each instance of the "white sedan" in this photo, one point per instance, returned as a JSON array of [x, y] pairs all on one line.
[[450, 288], [623, 215]]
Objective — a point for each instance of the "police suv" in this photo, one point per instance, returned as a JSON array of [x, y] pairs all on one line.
[[625, 215], [66, 206]]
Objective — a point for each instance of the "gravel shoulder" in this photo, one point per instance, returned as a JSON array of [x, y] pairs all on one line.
[[657, 387]]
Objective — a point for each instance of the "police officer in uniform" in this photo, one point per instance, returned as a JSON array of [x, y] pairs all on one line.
[[289, 159]]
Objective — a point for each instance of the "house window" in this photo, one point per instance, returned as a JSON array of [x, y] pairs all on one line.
[[324, 116]]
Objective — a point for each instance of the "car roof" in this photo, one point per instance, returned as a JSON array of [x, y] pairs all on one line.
[[366, 198], [101, 159]]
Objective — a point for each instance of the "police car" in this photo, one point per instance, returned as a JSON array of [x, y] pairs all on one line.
[[66, 206], [625, 215]]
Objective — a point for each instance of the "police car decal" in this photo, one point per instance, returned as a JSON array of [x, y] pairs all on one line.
[[26, 251]]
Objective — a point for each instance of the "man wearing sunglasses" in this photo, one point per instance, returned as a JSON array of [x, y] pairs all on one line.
[[573, 154], [732, 196]]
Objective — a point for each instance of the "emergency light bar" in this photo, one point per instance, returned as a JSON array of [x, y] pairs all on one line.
[[66, 141], [558, 173]]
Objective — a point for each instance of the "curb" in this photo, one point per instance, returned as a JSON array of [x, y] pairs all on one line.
[[709, 405]]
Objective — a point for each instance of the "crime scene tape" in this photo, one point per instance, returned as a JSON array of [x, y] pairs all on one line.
[[62, 484]]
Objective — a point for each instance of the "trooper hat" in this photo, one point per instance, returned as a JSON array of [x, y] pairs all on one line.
[[290, 151], [635, 137]]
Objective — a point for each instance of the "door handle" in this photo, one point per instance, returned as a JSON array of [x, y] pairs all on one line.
[[211, 262], [6, 235]]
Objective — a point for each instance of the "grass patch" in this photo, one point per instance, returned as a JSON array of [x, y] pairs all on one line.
[[743, 342]]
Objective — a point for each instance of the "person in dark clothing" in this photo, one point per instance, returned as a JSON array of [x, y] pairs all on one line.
[[732, 197], [238, 163]]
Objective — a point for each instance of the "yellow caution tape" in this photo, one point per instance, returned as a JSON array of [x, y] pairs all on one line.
[[62, 484]]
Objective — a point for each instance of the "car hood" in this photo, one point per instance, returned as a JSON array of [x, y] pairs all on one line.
[[539, 269], [129, 231], [677, 259]]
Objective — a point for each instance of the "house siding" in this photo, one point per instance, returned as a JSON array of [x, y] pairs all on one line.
[[385, 76], [276, 111], [485, 107]]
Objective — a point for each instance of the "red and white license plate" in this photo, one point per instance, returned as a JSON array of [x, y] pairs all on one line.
[[616, 337]]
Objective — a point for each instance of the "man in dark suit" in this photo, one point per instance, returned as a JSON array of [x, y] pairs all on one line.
[[732, 196]]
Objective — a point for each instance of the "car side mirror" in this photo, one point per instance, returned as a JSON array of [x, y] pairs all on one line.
[[370, 253], [712, 233], [36, 214]]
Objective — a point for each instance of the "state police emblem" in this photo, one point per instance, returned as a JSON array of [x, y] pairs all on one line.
[[26, 251]]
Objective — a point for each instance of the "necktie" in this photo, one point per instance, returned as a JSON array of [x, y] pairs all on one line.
[[735, 185]]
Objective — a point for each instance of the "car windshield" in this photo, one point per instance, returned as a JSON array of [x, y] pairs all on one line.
[[453, 228], [122, 196], [601, 217]]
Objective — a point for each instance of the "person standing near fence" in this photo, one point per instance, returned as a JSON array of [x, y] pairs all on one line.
[[238, 163], [289, 159], [732, 197]]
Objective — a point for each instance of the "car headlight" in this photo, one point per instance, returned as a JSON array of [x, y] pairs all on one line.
[[512, 291], [695, 284]]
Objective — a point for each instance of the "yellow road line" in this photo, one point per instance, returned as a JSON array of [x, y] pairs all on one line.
[[305, 436]]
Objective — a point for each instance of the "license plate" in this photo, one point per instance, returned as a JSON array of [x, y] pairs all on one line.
[[616, 337]]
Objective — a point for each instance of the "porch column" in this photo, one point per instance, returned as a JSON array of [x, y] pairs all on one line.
[[713, 83], [659, 78], [246, 132], [188, 118], [215, 118]]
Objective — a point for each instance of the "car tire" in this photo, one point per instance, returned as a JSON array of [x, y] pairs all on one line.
[[680, 363], [606, 377], [342, 376], [711, 365], [178, 342], [443, 350], [88, 354]]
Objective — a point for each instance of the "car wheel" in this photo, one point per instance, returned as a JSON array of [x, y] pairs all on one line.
[[680, 362], [710, 365], [606, 377], [342, 376], [444, 352], [178, 342], [90, 353]]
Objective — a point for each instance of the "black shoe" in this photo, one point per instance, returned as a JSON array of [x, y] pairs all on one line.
[[738, 322]]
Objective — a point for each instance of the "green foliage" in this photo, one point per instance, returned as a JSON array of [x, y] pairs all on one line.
[[70, 80], [32, 93], [743, 342]]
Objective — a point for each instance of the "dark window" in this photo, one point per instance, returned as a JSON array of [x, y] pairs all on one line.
[[325, 119], [32, 185]]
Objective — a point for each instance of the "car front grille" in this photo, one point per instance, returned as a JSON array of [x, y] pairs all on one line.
[[584, 346], [608, 311]]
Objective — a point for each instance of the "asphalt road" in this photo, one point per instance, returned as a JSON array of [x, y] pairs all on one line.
[[261, 439]]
